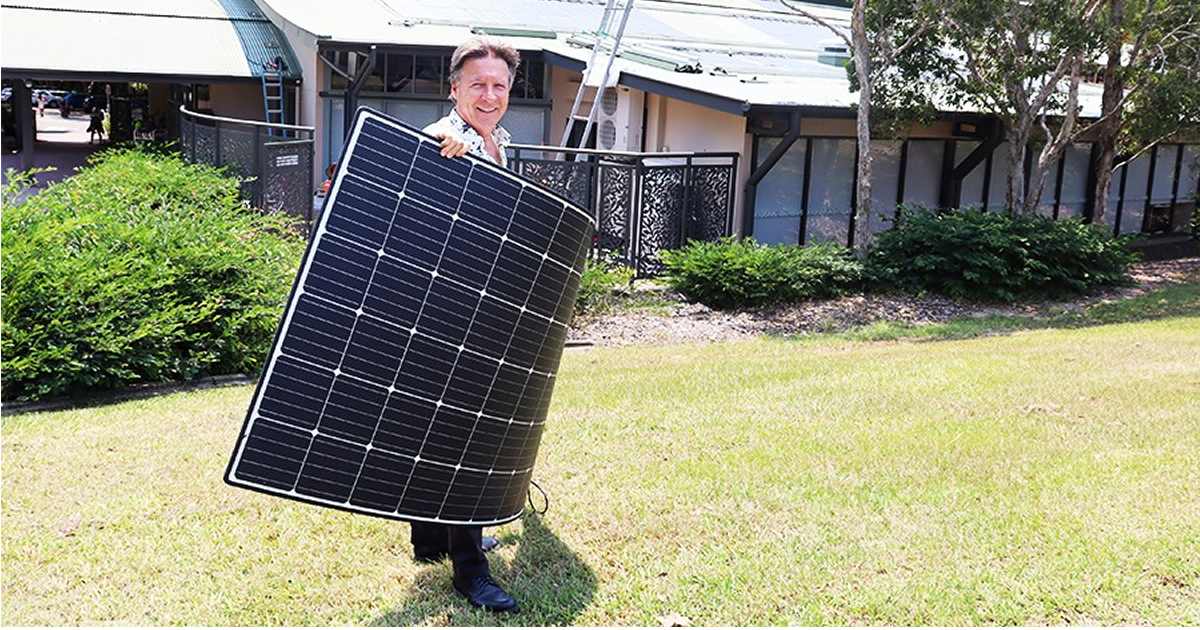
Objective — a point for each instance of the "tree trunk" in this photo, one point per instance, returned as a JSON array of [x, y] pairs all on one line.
[[1017, 136], [1055, 143], [862, 66], [1110, 127]]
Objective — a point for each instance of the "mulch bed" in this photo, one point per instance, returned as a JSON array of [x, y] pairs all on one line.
[[696, 323]]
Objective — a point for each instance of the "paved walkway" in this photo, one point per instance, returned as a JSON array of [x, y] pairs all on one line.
[[62, 143]]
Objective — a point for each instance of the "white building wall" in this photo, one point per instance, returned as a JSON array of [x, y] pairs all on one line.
[[564, 84]]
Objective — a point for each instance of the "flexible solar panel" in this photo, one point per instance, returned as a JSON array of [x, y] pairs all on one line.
[[412, 371]]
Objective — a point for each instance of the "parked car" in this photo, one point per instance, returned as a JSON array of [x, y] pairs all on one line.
[[75, 100], [54, 98]]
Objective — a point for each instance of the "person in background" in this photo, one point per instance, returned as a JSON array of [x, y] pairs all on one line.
[[328, 183], [41, 103], [481, 73], [96, 125]]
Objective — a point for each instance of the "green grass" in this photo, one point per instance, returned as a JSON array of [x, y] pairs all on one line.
[[1041, 477], [1171, 301]]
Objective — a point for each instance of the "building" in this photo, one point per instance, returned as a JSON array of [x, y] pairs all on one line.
[[747, 77], [210, 55]]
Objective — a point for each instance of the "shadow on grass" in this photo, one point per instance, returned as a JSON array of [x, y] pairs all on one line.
[[1181, 300], [551, 583], [133, 392]]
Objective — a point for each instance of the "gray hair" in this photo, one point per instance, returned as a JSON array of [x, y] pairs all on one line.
[[480, 48]]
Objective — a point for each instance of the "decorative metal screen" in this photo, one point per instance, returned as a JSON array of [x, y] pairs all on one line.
[[642, 203], [274, 161]]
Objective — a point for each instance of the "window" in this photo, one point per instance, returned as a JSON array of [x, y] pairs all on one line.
[[536, 84], [529, 79], [885, 182], [998, 185], [1074, 194], [1046, 200], [923, 173], [830, 190], [374, 80], [526, 123], [340, 60], [417, 113], [399, 73], [427, 75], [1164, 174], [971, 192], [1135, 194], [1188, 172], [777, 198]]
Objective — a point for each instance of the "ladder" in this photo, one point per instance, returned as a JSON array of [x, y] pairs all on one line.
[[602, 37], [273, 95]]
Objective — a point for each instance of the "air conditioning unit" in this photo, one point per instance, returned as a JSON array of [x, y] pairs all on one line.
[[619, 120]]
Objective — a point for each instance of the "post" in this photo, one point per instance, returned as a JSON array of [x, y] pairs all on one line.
[[260, 167], [351, 96], [26, 130], [804, 190]]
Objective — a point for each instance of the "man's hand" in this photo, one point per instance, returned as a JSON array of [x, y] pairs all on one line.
[[452, 145]]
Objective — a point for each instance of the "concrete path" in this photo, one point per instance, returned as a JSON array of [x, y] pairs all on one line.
[[62, 143]]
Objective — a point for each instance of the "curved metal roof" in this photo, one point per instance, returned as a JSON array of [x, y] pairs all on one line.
[[144, 39]]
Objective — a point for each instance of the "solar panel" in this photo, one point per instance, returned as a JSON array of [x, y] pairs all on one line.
[[412, 372]]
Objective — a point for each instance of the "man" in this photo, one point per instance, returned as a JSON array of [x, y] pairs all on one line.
[[481, 73]]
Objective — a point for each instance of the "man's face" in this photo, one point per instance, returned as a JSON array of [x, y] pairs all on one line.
[[481, 93]]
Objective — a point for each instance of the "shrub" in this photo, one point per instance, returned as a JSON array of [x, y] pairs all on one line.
[[140, 268], [995, 256], [600, 281], [739, 273]]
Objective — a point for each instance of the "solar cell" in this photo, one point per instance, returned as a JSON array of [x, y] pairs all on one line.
[[412, 371]]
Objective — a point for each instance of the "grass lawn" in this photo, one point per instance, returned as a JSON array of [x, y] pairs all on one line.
[[1043, 476]]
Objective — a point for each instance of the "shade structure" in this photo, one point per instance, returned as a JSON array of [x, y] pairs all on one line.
[[413, 368]]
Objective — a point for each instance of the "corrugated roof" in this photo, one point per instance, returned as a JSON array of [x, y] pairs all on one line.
[[751, 52], [185, 38]]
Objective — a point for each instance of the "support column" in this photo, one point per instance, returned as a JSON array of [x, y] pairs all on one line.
[[26, 132]]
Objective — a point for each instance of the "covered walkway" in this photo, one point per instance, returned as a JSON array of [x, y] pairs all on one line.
[[215, 56]]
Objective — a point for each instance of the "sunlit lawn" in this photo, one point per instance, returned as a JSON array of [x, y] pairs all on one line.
[[1048, 476]]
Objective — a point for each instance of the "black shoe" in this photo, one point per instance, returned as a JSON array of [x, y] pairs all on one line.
[[487, 544], [483, 592]]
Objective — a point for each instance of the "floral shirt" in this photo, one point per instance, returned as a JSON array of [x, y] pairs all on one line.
[[475, 145]]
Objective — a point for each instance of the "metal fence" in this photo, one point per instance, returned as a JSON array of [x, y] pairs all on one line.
[[643, 203], [274, 161]]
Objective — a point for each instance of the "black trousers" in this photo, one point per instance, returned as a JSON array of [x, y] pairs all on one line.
[[462, 542]]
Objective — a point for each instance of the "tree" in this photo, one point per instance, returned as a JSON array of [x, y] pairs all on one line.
[[1151, 83], [1021, 61], [883, 39]]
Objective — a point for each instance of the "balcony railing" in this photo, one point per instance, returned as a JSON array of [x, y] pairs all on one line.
[[643, 203], [274, 161]]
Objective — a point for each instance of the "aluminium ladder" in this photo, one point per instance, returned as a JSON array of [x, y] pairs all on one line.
[[273, 95], [602, 36]]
